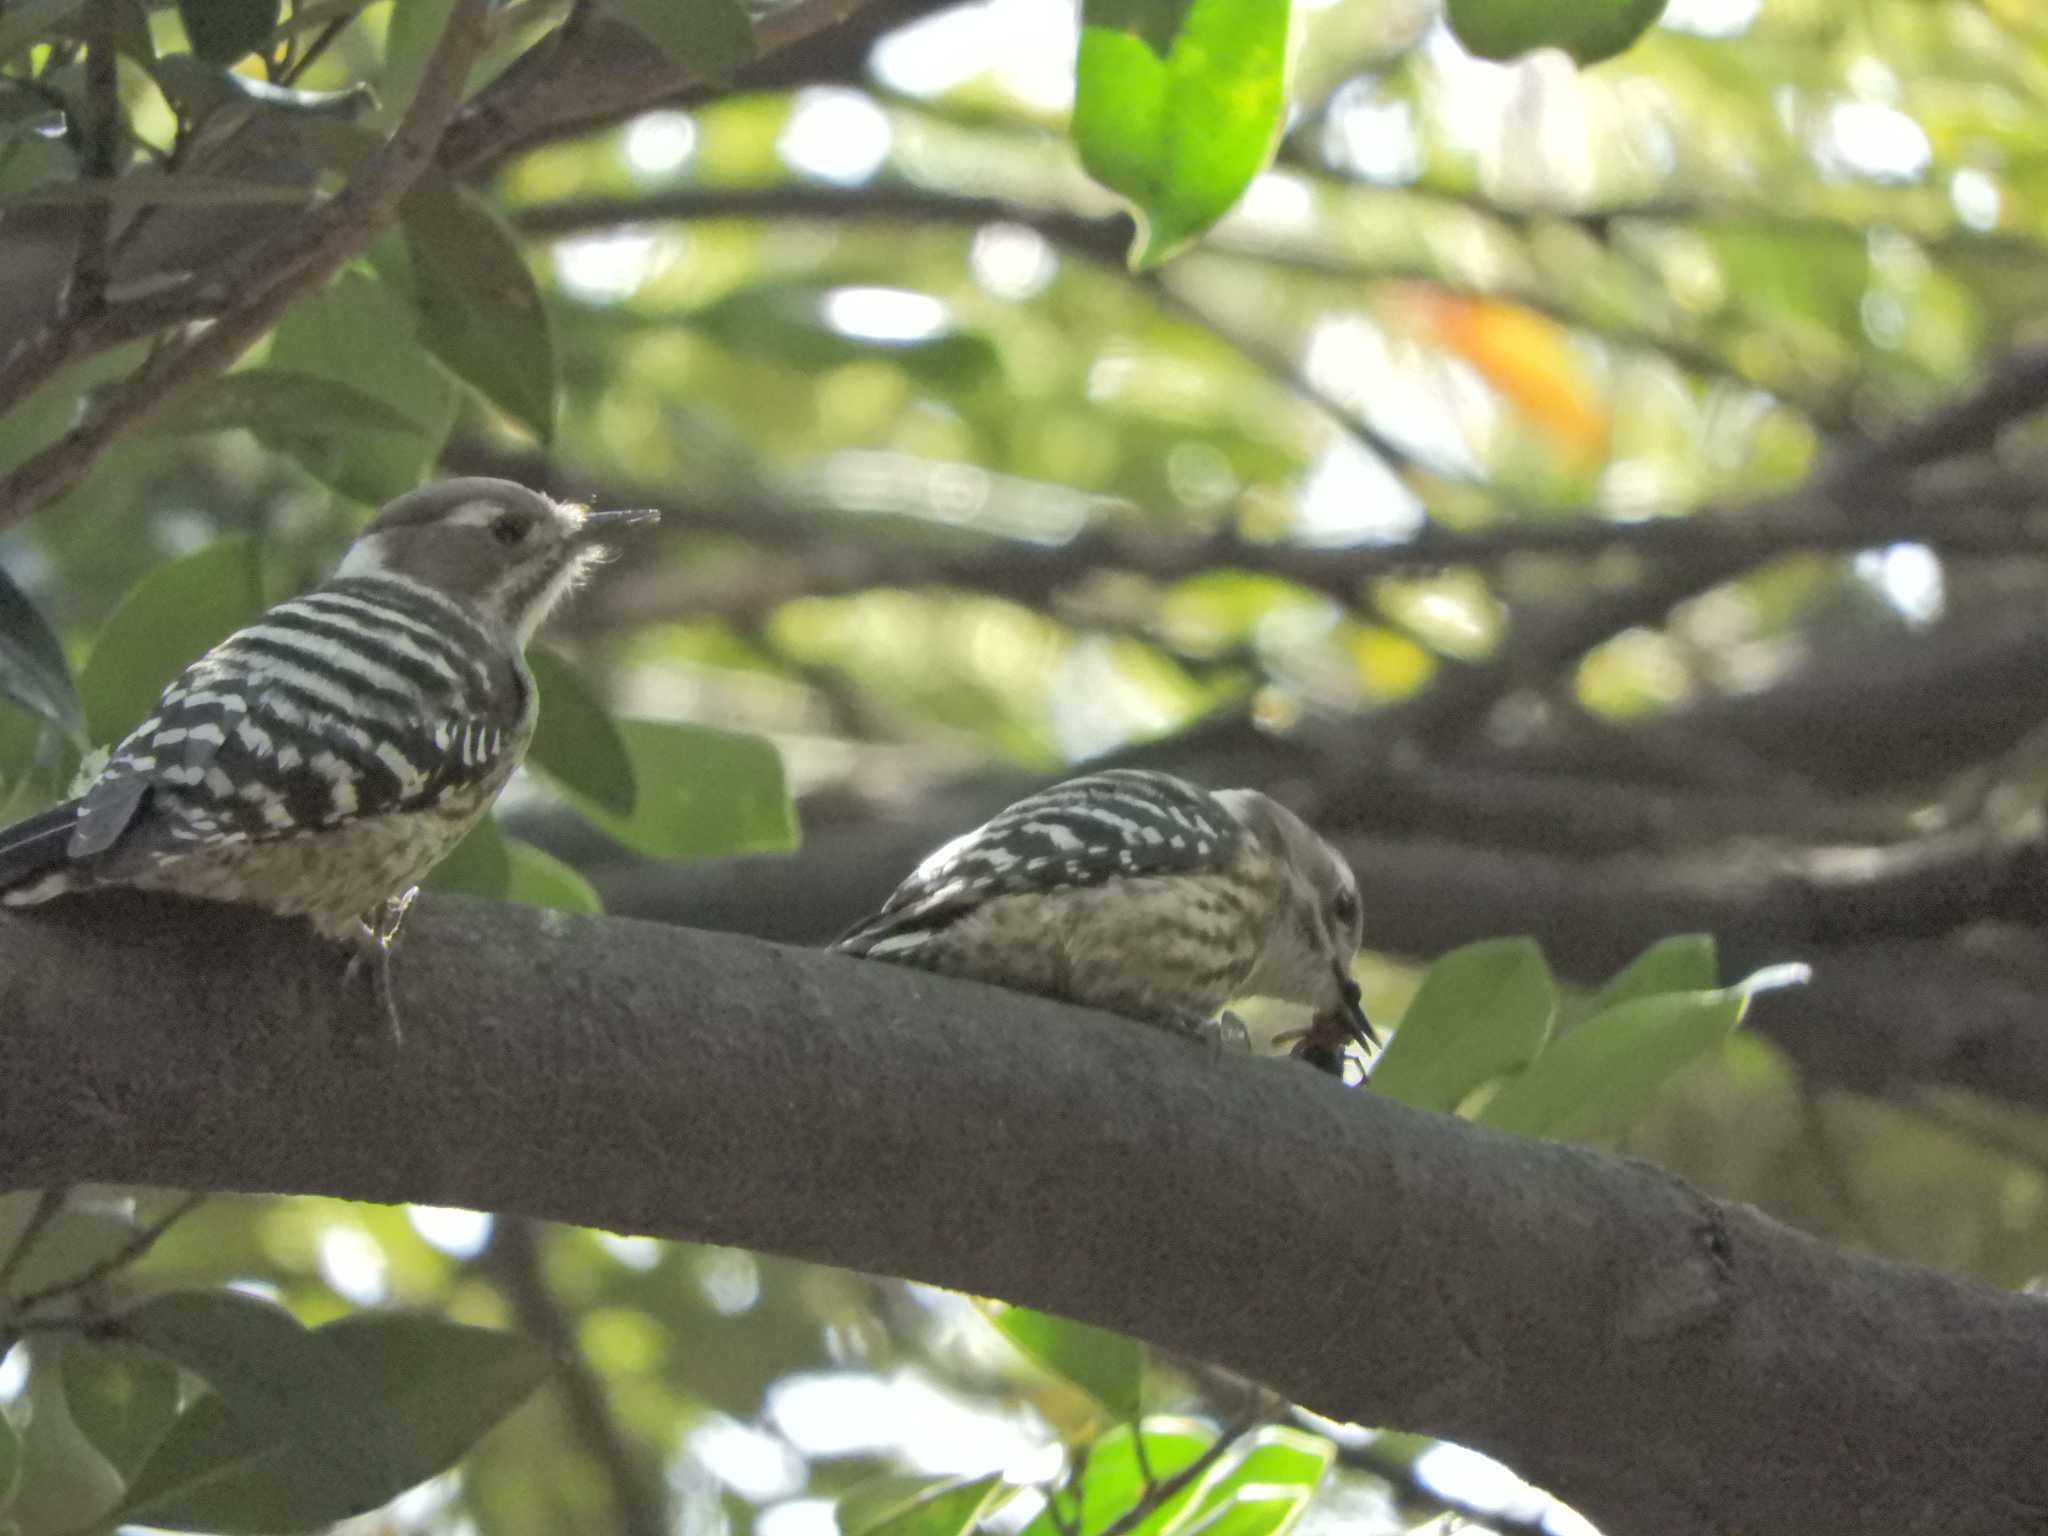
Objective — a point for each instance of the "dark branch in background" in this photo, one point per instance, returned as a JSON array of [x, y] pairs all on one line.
[[269, 280], [639, 1500], [1661, 1361]]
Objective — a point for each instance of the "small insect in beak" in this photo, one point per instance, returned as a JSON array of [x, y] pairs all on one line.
[[1322, 1045]]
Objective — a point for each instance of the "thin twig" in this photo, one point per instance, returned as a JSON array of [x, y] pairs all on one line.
[[1159, 1493], [48, 1204], [87, 292], [267, 283], [638, 1496], [130, 1251]]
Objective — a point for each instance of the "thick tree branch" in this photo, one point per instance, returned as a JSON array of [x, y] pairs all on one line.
[[1666, 1363]]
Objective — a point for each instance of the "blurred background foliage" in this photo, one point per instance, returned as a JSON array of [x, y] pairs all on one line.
[[1607, 501]]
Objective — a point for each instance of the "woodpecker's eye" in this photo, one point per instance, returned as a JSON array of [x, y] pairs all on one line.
[[509, 529], [1344, 908]]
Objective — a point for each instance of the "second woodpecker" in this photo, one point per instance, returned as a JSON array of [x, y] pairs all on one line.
[[1138, 893], [321, 761]]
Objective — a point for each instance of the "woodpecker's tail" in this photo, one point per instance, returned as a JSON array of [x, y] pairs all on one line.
[[32, 852]]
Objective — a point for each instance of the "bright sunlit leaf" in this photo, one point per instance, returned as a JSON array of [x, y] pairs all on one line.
[[1178, 104], [1482, 1010]]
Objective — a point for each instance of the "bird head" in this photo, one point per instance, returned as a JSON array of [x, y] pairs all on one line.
[[1307, 955], [506, 552]]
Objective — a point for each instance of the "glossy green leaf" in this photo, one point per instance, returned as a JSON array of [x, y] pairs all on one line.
[[199, 89], [1254, 1511], [1116, 1479], [276, 402], [702, 793], [1686, 962], [1596, 1082], [33, 671], [65, 1484], [1482, 1010], [814, 329], [712, 39], [480, 310], [539, 879], [173, 615], [576, 741], [480, 865], [358, 333], [122, 1399], [1107, 1366], [416, 1393], [941, 1508], [1588, 30], [1267, 1488], [1178, 104], [226, 30]]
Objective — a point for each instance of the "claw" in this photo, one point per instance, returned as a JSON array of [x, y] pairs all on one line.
[[371, 944]]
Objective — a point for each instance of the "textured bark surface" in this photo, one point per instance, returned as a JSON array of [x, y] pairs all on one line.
[[1668, 1364]]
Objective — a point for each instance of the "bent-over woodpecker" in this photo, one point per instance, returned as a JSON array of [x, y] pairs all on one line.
[[322, 760], [1139, 893]]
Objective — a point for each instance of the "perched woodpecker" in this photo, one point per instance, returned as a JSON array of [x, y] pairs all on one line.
[[1138, 893], [319, 762]]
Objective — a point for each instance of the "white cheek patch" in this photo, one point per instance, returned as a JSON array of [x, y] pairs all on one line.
[[370, 555]]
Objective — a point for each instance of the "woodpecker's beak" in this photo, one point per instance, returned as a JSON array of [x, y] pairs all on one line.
[[595, 523], [1355, 1022]]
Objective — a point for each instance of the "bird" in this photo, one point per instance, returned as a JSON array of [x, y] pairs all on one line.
[[319, 762], [1139, 893]]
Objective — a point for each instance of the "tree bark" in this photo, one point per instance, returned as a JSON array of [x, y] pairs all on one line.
[[1666, 1363]]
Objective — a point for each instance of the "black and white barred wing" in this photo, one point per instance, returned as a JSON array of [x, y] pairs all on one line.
[[359, 699], [1105, 826]]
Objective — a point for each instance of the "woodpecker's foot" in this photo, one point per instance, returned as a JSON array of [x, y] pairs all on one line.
[[370, 949], [1224, 1033]]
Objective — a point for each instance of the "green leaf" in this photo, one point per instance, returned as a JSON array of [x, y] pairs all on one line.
[[576, 741], [1107, 1366], [1483, 1010], [1684, 963], [1588, 30], [170, 617], [712, 39], [416, 1393], [226, 30], [702, 793], [814, 329], [479, 865], [1116, 1480], [199, 89], [121, 1399], [1178, 104], [65, 1484], [33, 671], [1595, 1082], [539, 879], [415, 27], [480, 310], [276, 402], [358, 333], [1269, 1487], [945, 1507]]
